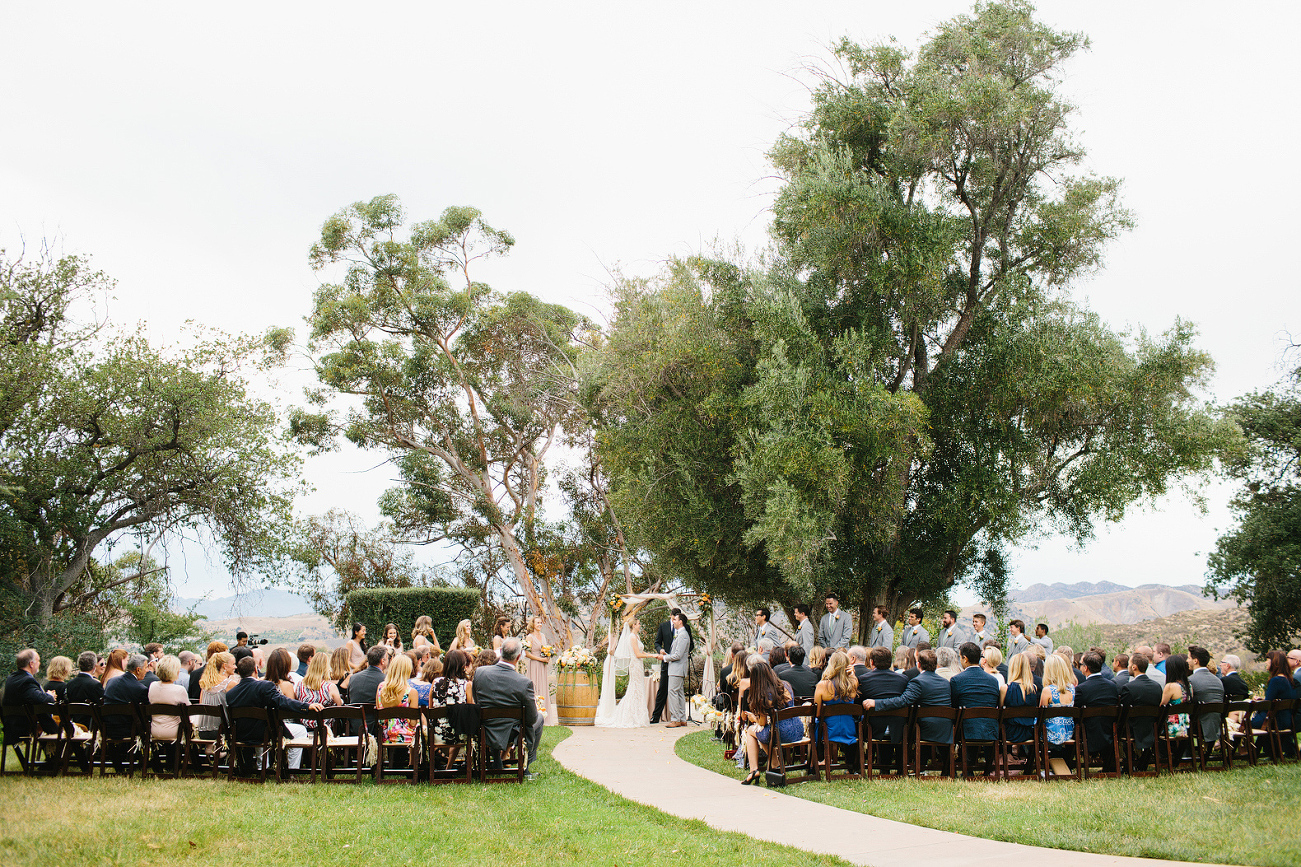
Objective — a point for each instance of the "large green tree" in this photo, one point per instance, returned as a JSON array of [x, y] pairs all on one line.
[[904, 387], [104, 438], [1258, 562], [467, 388]]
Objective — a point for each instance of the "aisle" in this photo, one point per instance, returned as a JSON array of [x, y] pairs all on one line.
[[640, 765]]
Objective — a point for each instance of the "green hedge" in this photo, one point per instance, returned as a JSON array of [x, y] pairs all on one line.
[[402, 605]]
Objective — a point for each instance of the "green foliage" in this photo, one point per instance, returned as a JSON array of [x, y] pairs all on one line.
[[446, 606], [147, 622], [64, 634], [1258, 563]]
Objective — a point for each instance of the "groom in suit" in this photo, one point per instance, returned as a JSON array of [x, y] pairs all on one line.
[[663, 641], [678, 657]]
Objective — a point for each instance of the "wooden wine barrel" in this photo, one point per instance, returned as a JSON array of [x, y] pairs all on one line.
[[576, 698]]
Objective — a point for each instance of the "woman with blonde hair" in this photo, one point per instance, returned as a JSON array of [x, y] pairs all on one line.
[[462, 641], [837, 686], [905, 660], [56, 677], [1068, 657], [990, 660], [316, 686], [424, 633], [341, 670], [1058, 691], [218, 677], [396, 691], [817, 660]]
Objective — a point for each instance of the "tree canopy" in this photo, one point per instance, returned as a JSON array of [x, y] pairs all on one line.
[[903, 387]]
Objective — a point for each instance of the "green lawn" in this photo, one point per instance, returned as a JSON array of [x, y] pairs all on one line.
[[1244, 816], [557, 819]]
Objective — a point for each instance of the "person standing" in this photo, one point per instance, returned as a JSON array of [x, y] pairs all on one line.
[[1016, 640], [663, 641], [762, 628], [836, 627], [978, 633], [882, 634], [915, 633], [804, 634], [1041, 638], [950, 634], [678, 657]]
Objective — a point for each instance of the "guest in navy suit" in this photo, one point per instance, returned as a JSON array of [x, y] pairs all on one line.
[[927, 689], [975, 687], [1096, 691], [881, 683]]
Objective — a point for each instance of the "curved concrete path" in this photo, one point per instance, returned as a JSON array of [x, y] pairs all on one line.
[[640, 765]]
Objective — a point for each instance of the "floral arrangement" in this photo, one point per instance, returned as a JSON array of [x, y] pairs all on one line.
[[615, 602], [577, 659], [710, 715], [705, 603], [546, 649]]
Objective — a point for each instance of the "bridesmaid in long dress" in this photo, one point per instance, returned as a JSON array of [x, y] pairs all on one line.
[[537, 664]]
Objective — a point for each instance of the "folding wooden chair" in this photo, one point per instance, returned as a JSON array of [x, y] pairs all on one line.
[[963, 743], [207, 740], [153, 747], [506, 766], [1110, 717], [251, 755], [844, 770], [1241, 742], [945, 749], [1217, 750], [800, 755], [1051, 771], [118, 749], [1281, 739], [335, 738], [414, 750], [80, 741], [880, 744], [307, 743], [1142, 717], [435, 751], [24, 746], [1027, 716]]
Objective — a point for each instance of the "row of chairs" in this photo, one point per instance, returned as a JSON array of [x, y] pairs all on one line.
[[815, 756], [214, 741]]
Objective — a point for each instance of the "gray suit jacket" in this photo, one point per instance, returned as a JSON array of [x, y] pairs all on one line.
[[501, 685], [952, 637], [363, 685], [835, 632], [881, 635], [679, 654], [1207, 687], [914, 634], [804, 636]]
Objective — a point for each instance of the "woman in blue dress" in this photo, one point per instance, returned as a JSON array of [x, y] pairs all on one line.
[[838, 686], [764, 697], [1280, 686]]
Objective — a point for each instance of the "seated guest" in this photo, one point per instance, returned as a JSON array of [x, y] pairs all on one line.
[[1022, 691], [1235, 688], [991, 662], [279, 665], [1175, 693], [114, 666], [975, 687], [1058, 691], [1037, 658], [726, 671], [1106, 669], [1002, 665], [817, 660], [485, 657], [166, 690], [424, 680], [740, 680], [858, 657], [801, 678], [500, 685], [396, 691], [84, 687], [22, 689], [449, 688], [1141, 691], [765, 696], [365, 684], [879, 683], [1155, 674], [927, 689], [1280, 686], [777, 659], [196, 676], [1068, 656], [251, 692], [1096, 691], [126, 688], [56, 677], [1120, 669], [838, 686], [218, 677], [1206, 689], [905, 662], [341, 670], [316, 686], [305, 654], [242, 652], [765, 647], [947, 664]]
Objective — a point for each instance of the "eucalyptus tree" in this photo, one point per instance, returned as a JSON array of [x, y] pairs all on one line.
[[467, 388], [904, 387]]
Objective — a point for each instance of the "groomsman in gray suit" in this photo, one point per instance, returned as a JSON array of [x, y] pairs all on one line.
[[837, 626], [804, 634], [882, 634], [950, 634], [678, 657], [914, 632], [978, 634]]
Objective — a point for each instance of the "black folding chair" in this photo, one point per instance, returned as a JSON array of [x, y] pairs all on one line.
[[156, 748], [443, 754], [80, 741], [1140, 718], [306, 742], [851, 768], [414, 751], [1072, 743], [990, 746], [23, 745], [881, 748], [122, 748], [501, 769], [1028, 717], [250, 754], [942, 748], [207, 740], [798, 755], [335, 739], [1109, 718], [1240, 742], [1218, 749]]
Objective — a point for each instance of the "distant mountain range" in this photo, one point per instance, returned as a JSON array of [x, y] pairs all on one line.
[[1041, 592], [255, 603], [1103, 602]]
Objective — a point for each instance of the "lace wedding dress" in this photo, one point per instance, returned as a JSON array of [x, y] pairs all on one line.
[[630, 711]]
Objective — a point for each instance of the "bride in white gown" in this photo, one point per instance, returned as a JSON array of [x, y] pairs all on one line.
[[630, 711]]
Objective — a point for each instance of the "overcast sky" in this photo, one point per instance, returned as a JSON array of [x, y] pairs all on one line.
[[194, 152]]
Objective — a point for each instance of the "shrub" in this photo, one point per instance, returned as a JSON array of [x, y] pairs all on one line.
[[446, 606]]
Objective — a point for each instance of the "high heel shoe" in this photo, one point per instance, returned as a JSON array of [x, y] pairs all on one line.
[[750, 780]]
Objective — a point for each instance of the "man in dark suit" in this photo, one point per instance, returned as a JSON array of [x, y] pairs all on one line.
[[1206, 689], [800, 677], [1106, 669], [974, 687], [663, 641], [84, 686], [501, 685], [251, 692], [1096, 691], [778, 660], [927, 689], [1141, 691], [22, 689], [365, 684], [1235, 688], [1120, 667], [127, 688], [880, 682]]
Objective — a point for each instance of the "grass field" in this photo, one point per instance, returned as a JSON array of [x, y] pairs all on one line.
[[558, 819], [1244, 816]]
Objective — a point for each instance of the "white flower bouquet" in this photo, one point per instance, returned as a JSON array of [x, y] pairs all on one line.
[[576, 659]]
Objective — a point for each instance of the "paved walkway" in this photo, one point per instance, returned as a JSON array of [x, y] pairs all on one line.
[[640, 765]]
